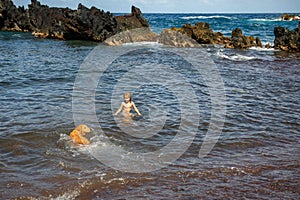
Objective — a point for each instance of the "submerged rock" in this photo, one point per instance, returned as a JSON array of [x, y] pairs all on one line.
[[239, 41], [287, 40]]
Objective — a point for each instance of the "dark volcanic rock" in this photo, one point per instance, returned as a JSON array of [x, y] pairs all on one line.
[[242, 42], [202, 33], [287, 40], [132, 21], [64, 23], [13, 18], [60, 23]]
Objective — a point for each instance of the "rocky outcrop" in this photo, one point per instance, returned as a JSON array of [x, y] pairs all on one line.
[[97, 25], [169, 37], [132, 21], [64, 23], [13, 18], [287, 40], [173, 37], [268, 46], [60, 23], [202, 33], [239, 41], [130, 36], [289, 17]]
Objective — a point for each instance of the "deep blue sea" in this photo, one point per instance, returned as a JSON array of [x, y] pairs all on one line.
[[242, 104], [261, 25]]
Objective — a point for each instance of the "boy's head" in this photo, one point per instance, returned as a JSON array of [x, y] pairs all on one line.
[[127, 96]]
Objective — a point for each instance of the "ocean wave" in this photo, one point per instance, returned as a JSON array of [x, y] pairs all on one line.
[[235, 57], [266, 20], [17, 35], [72, 194], [206, 17], [142, 44], [262, 49]]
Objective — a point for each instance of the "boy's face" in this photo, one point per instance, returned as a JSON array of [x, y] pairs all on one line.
[[126, 100]]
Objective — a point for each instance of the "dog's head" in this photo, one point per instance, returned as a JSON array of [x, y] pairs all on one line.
[[83, 129]]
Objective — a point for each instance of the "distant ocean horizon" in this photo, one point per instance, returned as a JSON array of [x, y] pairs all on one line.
[[258, 24], [209, 13]]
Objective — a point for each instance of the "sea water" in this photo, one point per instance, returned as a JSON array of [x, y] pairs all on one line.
[[256, 155]]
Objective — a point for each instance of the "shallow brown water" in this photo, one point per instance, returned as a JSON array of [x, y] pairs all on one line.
[[256, 156]]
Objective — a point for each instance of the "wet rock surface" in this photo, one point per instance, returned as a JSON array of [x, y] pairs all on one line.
[[287, 40], [202, 33], [132, 21], [64, 23], [172, 37], [239, 41], [130, 36], [96, 25]]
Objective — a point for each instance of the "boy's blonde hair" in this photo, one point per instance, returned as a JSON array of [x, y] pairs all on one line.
[[127, 95]]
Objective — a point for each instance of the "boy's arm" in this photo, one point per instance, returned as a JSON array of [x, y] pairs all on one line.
[[136, 110], [120, 109]]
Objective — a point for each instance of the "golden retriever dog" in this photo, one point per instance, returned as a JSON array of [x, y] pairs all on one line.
[[78, 134]]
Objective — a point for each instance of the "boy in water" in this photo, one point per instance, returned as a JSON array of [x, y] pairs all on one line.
[[126, 106]]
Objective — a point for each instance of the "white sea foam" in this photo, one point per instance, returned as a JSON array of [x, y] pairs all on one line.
[[142, 44], [17, 35], [67, 195], [265, 43], [266, 20], [262, 49], [96, 142], [65, 141], [235, 57], [206, 17]]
